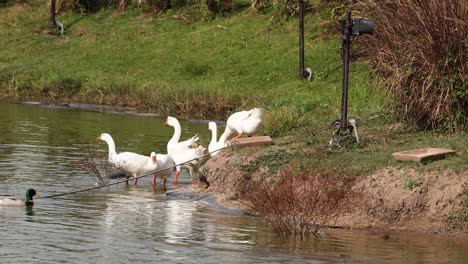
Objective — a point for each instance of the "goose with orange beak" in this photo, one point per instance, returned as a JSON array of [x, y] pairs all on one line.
[[132, 164], [183, 151]]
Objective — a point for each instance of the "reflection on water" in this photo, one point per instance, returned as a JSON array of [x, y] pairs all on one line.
[[127, 223]]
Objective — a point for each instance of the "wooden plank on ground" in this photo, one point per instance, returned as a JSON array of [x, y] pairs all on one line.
[[422, 155], [252, 141]]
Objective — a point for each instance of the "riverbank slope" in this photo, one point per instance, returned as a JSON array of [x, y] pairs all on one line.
[[400, 196]]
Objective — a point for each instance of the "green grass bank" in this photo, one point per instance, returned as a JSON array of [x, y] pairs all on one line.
[[208, 68], [171, 65]]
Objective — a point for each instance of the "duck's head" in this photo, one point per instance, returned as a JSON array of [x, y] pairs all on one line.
[[153, 157], [30, 194], [104, 137], [170, 121], [212, 126]]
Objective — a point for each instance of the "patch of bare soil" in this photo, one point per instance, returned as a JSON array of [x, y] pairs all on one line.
[[226, 179], [393, 198], [405, 199]]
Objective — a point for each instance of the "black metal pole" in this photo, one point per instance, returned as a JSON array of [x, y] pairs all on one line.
[[301, 39], [52, 22], [346, 43]]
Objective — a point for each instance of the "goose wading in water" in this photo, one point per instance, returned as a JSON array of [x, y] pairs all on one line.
[[162, 162], [244, 122], [183, 151], [9, 200], [132, 164], [215, 144]]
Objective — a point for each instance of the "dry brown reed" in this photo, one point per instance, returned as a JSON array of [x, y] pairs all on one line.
[[301, 204], [420, 50]]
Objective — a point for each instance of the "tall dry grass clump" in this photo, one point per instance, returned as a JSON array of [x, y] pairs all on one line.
[[420, 49], [303, 203]]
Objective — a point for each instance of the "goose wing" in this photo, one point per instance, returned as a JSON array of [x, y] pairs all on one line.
[[130, 162], [189, 143]]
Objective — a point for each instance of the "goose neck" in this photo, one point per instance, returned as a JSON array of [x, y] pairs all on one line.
[[227, 132], [177, 131], [223, 138], [110, 142], [214, 135]]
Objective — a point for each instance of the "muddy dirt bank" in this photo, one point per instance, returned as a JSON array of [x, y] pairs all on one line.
[[399, 199]]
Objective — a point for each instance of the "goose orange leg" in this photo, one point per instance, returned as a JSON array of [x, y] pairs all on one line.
[[176, 177], [237, 137]]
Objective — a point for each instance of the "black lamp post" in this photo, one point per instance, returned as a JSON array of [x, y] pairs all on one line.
[[52, 21], [345, 47], [303, 72], [350, 27]]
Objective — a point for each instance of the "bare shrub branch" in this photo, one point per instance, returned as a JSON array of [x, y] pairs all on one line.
[[95, 163], [303, 203]]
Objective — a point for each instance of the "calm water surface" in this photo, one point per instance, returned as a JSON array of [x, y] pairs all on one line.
[[140, 224]]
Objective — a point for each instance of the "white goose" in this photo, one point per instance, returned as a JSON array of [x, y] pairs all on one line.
[[130, 163], [215, 144], [183, 151], [244, 122], [162, 162]]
